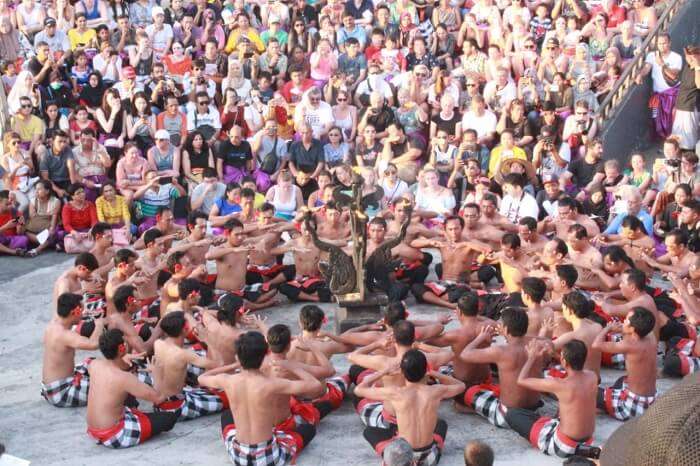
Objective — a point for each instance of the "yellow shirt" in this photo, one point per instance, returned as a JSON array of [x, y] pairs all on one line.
[[495, 158], [80, 40], [114, 214], [233, 42], [27, 128]]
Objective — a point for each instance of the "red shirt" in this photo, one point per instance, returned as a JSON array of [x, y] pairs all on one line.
[[616, 16], [74, 219], [296, 97], [6, 217]]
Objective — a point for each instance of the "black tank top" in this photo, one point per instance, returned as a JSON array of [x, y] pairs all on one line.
[[199, 159], [144, 66]]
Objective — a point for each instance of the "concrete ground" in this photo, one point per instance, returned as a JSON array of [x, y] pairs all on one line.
[[33, 430]]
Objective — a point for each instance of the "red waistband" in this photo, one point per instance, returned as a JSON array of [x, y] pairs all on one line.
[[105, 434]]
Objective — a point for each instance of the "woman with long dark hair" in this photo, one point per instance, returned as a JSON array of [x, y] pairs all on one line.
[[196, 156]]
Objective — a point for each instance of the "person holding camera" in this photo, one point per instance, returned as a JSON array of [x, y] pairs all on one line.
[[579, 128], [546, 158]]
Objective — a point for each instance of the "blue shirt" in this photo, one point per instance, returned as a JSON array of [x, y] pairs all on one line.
[[358, 33], [615, 226]]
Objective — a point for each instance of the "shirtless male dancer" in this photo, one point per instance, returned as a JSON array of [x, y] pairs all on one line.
[[264, 267], [197, 243], [77, 279], [63, 384], [125, 273], [530, 240], [492, 401], [180, 267], [475, 230], [375, 413], [109, 420], [102, 249], [248, 428], [470, 325], [572, 432], [567, 215], [396, 290], [513, 262], [220, 328], [416, 405], [299, 410], [633, 393], [165, 223], [172, 360], [231, 259], [576, 310], [125, 305], [678, 259], [532, 294], [151, 263], [491, 216], [331, 225], [308, 284], [457, 260]]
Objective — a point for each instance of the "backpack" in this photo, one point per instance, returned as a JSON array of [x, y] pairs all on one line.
[[268, 162]]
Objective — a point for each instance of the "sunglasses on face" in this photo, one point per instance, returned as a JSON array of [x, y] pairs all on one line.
[[342, 99], [471, 85], [529, 47], [26, 105], [203, 102]]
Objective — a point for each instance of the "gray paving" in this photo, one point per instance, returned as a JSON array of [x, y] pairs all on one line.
[[33, 430]]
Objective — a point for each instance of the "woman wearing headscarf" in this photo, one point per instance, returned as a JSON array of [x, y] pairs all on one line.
[[582, 91], [10, 48], [24, 86], [93, 91]]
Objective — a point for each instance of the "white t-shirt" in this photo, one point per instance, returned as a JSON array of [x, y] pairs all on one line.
[[673, 61], [515, 209], [210, 118], [483, 125], [159, 39], [316, 117], [442, 205], [377, 84], [498, 99]]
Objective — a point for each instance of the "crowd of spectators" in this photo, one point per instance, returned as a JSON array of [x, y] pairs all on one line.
[[121, 109]]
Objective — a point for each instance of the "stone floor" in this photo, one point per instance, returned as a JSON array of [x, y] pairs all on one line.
[[33, 430]]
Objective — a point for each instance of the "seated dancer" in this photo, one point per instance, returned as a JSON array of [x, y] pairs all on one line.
[[567, 215], [531, 241], [166, 224], [495, 401], [532, 294], [63, 384], [179, 267], [308, 284], [139, 338], [513, 262], [633, 290], [172, 360], [577, 311], [311, 318], [263, 266], [296, 412], [249, 431], [470, 325], [396, 290], [78, 279], [678, 257], [375, 413], [634, 240], [151, 263], [682, 357], [572, 432], [491, 216], [219, 328], [331, 224], [457, 259], [125, 274], [197, 242], [416, 405], [475, 230], [632, 394], [364, 335], [231, 259], [103, 250], [109, 420]]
